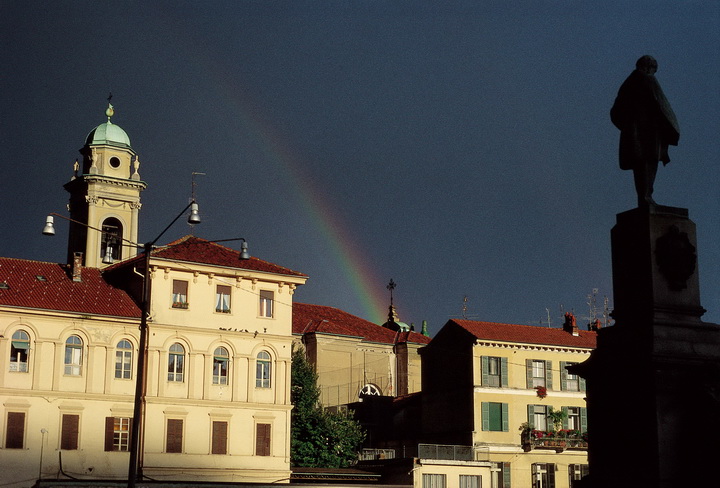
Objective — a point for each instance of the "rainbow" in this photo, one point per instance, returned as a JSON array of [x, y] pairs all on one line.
[[364, 283]]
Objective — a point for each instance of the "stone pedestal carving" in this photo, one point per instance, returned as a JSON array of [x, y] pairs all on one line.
[[653, 383]]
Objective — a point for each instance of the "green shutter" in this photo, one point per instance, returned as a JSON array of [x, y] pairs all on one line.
[[583, 419], [531, 416], [581, 383], [485, 414], [563, 375], [550, 467], [548, 375], [528, 372], [506, 475], [504, 372], [565, 417], [505, 418], [484, 376]]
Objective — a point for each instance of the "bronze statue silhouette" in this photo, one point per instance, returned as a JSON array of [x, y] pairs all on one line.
[[647, 126]]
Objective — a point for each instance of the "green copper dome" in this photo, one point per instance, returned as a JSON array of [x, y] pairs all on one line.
[[108, 133]]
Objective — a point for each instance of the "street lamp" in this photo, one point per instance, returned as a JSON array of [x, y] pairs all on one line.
[[136, 446]]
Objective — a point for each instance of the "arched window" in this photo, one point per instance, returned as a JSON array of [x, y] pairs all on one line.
[[73, 355], [263, 373], [112, 233], [369, 390], [19, 351], [221, 358], [176, 362], [123, 359]]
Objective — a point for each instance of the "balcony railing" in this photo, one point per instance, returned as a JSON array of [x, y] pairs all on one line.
[[445, 452], [372, 454], [557, 441]]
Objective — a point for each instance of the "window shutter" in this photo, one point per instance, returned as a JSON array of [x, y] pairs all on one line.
[[565, 417], [505, 418], [504, 372], [219, 437], [528, 372], [69, 432], [109, 431], [506, 475], [548, 375], [485, 414], [531, 416], [174, 435], [15, 430], [484, 366], [262, 445], [583, 419], [581, 383], [550, 467], [563, 375]]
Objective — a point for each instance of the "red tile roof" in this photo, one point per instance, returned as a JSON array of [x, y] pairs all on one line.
[[196, 250], [329, 320], [527, 334], [48, 286]]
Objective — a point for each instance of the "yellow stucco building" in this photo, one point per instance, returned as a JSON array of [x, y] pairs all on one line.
[[218, 355], [496, 387], [355, 358]]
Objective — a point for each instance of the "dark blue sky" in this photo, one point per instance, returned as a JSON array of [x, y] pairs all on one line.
[[462, 149]]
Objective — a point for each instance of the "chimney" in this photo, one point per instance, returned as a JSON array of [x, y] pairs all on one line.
[[77, 267], [595, 325], [570, 324]]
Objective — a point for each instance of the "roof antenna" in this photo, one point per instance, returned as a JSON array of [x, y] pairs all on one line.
[[192, 194]]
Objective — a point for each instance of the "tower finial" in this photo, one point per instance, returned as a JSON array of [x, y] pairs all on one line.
[[109, 111], [392, 315]]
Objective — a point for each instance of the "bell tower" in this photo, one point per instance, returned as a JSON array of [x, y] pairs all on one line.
[[105, 195]]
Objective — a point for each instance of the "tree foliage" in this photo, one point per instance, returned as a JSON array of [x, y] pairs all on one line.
[[319, 438]]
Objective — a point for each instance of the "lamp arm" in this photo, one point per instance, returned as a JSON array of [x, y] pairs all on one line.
[[152, 243]]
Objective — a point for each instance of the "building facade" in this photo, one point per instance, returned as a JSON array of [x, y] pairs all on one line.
[[355, 358], [504, 390], [217, 403]]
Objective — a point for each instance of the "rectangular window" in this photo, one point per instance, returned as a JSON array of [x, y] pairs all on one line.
[[537, 417], [494, 371], [568, 381], [575, 419], [219, 437], [69, 432], [267, 299], [543, 475], [576, 473], [500, 475], [180, 294], [539, 373], [262, 440], [433, 481], [15, 430], [173, 441], [494, 417], [117, 433], [470, 481], [222, 299]]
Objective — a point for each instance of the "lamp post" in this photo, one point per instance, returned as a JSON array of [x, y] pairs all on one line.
[[136, 435]]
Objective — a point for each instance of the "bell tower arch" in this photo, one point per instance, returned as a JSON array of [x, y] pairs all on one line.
[[105, 195]]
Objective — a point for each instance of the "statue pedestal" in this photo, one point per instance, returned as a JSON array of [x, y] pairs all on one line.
[[653, 383]]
